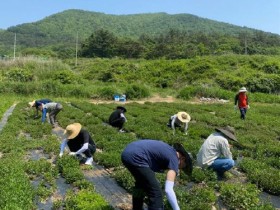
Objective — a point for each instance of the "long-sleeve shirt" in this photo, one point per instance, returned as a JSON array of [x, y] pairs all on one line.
[[79, 144], [215, 146], [175, 120], [48, 108]]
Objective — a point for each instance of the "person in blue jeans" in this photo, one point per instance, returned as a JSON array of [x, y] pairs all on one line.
[[145, 157], [37, 103], [215, 151]]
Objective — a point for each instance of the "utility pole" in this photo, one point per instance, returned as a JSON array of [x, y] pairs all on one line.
[[76, 63], [15, 41], [245, 42]]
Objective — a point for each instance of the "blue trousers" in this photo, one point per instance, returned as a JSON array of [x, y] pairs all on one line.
[[243, 113], [221, 165]]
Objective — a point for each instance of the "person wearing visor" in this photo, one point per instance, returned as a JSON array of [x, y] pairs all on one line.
[[143, 158]]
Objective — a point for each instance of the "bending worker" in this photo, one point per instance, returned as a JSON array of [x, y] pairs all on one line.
[[179, 120], [53, 109], [145, 157], [37, 103]]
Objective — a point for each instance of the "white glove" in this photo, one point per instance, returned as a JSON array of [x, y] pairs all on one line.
[[235, 107], [60, 154], [72, 153], [248, 107]]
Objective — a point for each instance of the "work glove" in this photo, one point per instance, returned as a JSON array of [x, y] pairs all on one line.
[[235, 107], [60, 154], [72, 153], [248, 107]]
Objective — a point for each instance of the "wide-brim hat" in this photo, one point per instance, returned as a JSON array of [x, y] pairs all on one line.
[[243, 89], [121, 108], [184, 117], [32, 103], [189, 165], [227, 131], [72, 130]]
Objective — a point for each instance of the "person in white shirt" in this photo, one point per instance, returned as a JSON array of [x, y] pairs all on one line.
[[179, 120], [215, 151]]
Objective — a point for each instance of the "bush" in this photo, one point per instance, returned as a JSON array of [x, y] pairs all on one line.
[[137, 91]]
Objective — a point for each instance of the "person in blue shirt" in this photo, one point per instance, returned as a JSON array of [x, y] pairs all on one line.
[[53, 109], [145, 157], [37, 103]]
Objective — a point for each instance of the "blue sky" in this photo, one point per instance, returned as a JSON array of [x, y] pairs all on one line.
[[258, 14]]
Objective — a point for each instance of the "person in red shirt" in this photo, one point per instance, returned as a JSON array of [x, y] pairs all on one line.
[[241, 100]]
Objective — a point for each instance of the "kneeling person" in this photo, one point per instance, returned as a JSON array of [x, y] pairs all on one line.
[[79, 142], [117, 118]]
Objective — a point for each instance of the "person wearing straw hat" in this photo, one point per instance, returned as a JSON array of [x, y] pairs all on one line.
[[241, 101], [145, 157], [79, 142], [117, 118], [179, 120], [37, 103], [215, 151], [52, 109]]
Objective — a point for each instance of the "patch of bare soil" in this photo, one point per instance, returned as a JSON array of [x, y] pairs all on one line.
[[153, 99]]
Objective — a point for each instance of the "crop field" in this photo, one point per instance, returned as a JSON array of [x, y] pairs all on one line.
[[258, 135]]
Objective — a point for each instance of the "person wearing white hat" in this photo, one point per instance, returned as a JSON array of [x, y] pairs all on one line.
[[215, 151], [37, 103], [79, 142], [242, 102], [179, 120]]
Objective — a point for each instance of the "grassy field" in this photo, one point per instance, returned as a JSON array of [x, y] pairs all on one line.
[[258, 136]]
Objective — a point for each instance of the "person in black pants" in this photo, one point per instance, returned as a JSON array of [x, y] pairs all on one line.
[[79, 142], [117, 118], [145, 157]]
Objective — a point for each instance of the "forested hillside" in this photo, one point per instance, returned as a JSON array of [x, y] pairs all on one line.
[[180, 36]]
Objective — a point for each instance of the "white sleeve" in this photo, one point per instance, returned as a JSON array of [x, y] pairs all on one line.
[[170, 194], [186, 127], [173, 121], [63, 145], [123, 116], [83, 148]]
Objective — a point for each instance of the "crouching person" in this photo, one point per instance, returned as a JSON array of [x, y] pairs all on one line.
[[79, 142]]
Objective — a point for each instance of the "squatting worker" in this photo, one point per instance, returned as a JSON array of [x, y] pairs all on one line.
[[179, 120], [145, 157], [53, 109], [37, 103], [215, 151], [79, 142], [117, 118]]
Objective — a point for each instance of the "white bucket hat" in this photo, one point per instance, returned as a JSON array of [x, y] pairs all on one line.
[[243, 89]]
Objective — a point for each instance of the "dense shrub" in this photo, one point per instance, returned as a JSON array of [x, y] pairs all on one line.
[[136, 91]]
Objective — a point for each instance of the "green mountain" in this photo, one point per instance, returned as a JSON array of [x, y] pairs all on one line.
[[63, 27]]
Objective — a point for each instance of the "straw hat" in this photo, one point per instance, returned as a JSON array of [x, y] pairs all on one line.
[[184, 117], [72, 130], [243, 89], [32, 103], [189, 165], [227, 131]]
